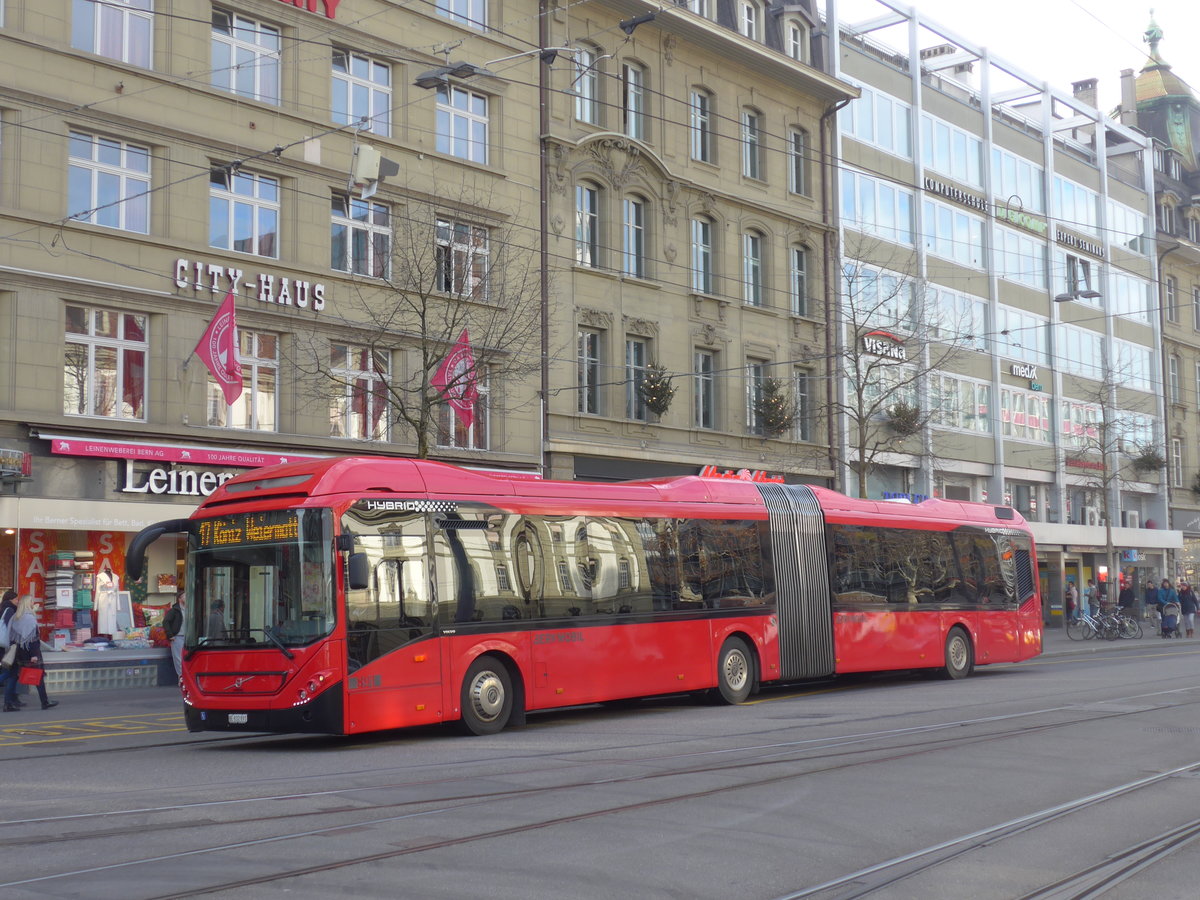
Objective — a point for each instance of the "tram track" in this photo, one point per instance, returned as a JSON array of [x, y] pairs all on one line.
[[866, 748], [1088, 882]]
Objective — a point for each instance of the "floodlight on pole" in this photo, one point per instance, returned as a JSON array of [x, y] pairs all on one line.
[[434, 78]]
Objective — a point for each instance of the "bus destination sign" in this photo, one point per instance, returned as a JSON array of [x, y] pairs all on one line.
[[249, 528]]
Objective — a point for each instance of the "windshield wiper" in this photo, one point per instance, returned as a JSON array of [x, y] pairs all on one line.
[[276, 641]]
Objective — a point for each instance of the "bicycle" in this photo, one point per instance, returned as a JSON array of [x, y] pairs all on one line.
[[1128, 626], [1086, 626]]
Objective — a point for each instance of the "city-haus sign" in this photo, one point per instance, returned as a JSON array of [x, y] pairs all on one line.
[[266, 287]]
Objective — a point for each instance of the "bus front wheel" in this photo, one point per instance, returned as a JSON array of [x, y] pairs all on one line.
[[735, 671], [960, 656], [487, 697]]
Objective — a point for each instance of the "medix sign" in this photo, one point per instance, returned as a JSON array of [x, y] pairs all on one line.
[[311, 5]]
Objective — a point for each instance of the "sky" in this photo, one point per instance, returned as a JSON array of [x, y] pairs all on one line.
[[1061, 41]]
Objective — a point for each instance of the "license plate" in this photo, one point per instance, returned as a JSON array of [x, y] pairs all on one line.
[[239, 718]]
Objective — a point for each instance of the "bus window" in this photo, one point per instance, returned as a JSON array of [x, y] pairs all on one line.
[[660, 544], [473, 569], [396, 607], [722, 565], [261, 577]]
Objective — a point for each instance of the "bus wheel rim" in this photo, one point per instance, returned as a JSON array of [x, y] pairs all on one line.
[[736, 670], [487, 696], [958, 652]]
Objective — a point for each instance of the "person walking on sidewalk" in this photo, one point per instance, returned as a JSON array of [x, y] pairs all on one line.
[[8, 672], [173, 626], [1072, 601], [1187, 608], [1089, 594], [1150, 599], [23, 631]]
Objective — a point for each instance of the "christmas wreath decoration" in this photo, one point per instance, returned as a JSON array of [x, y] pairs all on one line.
[[904, 418], [656, 388]]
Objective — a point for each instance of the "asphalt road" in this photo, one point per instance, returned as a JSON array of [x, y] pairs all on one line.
[[1075, 774]]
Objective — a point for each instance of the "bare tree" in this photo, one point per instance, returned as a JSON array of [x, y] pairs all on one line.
[[450, 266], [895, 337]]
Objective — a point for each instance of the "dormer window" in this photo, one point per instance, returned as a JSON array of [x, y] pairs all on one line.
[[795, 36], [748, 19]]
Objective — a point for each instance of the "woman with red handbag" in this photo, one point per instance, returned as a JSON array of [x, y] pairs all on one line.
[[8, 650], [23, 631]]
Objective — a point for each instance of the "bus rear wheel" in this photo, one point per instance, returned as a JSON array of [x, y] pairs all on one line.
[[735, 671], [487, 697], [960, 655]]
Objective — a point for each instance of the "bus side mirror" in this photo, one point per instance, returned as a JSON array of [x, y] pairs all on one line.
[[358, 572]]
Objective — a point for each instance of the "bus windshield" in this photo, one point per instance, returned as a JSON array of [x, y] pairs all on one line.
[[263, 578]]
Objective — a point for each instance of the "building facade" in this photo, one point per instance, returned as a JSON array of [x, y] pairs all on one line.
[[1164, 107], [590, 198], [996, 231], [689, 190]]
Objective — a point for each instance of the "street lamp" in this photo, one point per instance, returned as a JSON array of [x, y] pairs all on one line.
[[1077, 294], [436, 77]]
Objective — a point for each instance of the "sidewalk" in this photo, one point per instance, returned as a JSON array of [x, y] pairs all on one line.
[[1056, 643]]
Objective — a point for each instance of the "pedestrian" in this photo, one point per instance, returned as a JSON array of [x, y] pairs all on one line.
[[1125, 598], [1072, 601], [23, 631], [1167, 594], [1150, 598], [1089, 594], [8, 671], [216, 621], [1187, 608], [173, 625]]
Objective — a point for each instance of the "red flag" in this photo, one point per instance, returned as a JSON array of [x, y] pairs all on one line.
[[218, 350], [455, 379]]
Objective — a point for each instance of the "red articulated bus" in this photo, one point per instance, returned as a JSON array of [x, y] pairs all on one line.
[[350, 595]]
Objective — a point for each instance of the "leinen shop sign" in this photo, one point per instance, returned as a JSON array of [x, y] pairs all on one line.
[[174, 481]]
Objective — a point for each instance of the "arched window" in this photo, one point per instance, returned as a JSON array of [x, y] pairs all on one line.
[[798, 281], [798, 153], [795, 39], [752, 149], [633, 100], [633, 237], [749, 19], [702, 255], [587, 224], [752, 268], [701, 121], [587, 86]]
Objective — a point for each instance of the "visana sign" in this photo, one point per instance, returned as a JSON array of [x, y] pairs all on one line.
[[171, 480], [880, 343]]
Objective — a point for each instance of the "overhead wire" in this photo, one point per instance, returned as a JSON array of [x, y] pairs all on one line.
[[277, 152]]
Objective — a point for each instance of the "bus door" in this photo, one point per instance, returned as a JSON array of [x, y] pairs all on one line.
[[393, 664]]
